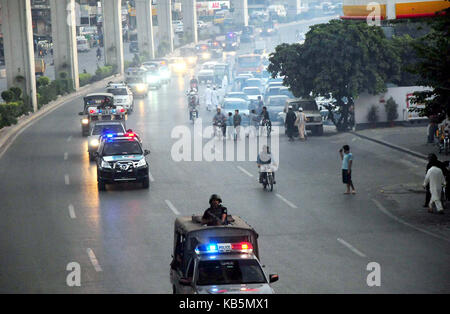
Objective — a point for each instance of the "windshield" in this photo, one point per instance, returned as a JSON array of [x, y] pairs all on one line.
[[252, 91], [229, 272], [134, 80], [277, 101], [122, 148], [235, 105], [117, 91], [111, 128], [287, 92], [307, 105], [249, 62], [240, 95], [256, 83]]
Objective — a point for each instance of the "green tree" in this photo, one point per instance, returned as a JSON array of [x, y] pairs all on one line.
[[432, 68], [344, 58]]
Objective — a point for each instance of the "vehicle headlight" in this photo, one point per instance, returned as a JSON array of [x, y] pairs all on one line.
[[94, 143], [165, 74], [140, 87], [191, 59], [141, 163], [105, 164], [180, 67], [85, 121], [206, 55]]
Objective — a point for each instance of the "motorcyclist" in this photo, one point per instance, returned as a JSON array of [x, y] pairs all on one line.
[[193, 101], [216, 214], [219, 121], [264, 118], [194, 83], [265, 158]]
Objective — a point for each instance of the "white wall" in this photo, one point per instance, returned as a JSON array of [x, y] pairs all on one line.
[[365, 101]]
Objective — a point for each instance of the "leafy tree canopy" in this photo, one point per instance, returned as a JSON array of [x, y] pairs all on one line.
[[344, 58]]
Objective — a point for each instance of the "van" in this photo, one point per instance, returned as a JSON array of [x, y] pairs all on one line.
[[82, 44], [314, 122], [277, 9]]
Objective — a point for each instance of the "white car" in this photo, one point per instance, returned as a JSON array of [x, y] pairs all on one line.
[[201, 25], [253, 93], [123, 95], [179, 29]]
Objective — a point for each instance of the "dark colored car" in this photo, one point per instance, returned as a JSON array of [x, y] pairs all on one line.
[[120, 158]]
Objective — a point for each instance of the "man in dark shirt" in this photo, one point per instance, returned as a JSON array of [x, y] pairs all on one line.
[[216, 214], [290, 120]]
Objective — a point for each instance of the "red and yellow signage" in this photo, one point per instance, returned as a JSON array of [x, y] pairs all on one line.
[[360, 9]]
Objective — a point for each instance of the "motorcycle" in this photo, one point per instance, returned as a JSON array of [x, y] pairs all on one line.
[[266, 127], [218, 129], [267, 177]]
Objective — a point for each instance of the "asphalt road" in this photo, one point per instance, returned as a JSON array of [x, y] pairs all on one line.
[[317, 239]]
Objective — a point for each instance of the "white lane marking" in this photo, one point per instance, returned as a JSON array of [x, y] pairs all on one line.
[[69, 139], [286, 201], [173, 208], [72, 212], [66, 179], [387, 213], [66, 156], [245, 171], [94, 260], [151, 177], [351, 247]]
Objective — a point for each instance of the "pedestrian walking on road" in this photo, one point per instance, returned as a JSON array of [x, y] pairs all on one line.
[[347, 163], [290, 123], [237, 124], [208, 98], [301, 124], [230, 126], [435, 178], [214, 98], [432, 127]]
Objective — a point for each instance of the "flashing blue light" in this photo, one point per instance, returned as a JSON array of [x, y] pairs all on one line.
[[109, 135], [212, 248], [230, 34]]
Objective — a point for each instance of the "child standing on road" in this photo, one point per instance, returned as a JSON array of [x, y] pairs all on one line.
[[347, 162]]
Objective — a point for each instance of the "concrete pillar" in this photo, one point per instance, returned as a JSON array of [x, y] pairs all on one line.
[[189, 8], [112, 33], [64, 36], [165, 22], [390, 10], [240, 13], [18, 47], [293, 8], [145, 28]]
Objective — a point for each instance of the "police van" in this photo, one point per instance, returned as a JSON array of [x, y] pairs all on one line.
[[217, 259], [98, 107]]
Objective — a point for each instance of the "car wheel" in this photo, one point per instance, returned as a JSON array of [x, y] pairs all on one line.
[[101, 186], [319, 130], [146, 183]]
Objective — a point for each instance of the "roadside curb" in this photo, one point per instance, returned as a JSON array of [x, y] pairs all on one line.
[[393, 146], [9, 134]]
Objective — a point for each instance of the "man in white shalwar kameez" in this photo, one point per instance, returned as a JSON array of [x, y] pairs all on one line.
[[208, 98], [214, 98], [436, 179]]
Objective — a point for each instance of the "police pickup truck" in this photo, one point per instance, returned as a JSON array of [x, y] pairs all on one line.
[[217, 259], [98, 107]]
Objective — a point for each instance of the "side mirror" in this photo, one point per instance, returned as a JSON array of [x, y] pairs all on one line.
[[146, 152], [273, 278], [185, 282], [81, 113]]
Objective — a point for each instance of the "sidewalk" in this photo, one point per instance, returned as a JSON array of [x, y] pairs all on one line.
[[405, 200]]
